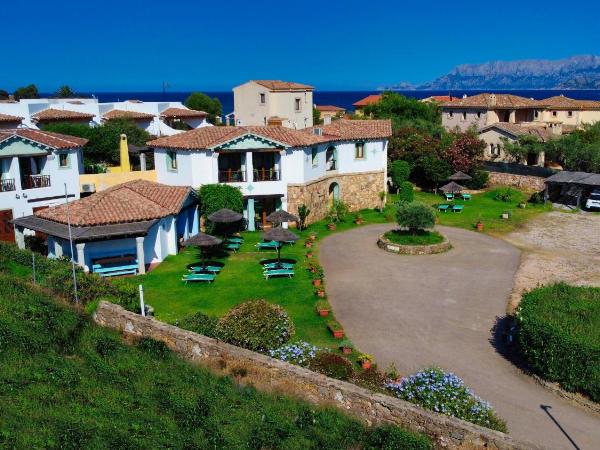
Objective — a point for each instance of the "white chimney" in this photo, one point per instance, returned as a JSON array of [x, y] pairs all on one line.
[[326, 120]]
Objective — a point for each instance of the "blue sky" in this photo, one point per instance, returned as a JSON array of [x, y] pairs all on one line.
[[335, 45]]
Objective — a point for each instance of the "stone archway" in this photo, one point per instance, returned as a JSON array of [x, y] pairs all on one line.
[[334, 193]]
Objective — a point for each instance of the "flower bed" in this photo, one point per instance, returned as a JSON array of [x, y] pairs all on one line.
[[423, 237], [413, 249]]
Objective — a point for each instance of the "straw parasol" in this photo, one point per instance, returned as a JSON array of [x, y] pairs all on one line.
[[452, 187], [280, 235], [202, 240], [281, 216], [225, 215], [460, 176]]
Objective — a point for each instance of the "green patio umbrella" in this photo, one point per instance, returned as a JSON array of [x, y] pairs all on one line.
[[279, 235]]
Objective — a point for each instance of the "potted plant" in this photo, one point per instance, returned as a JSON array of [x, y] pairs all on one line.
[[479, 225], [392, 373], [309, 255], [317, 275], [346, 346], [358, 219], [316, 282], [312, 236], [506, 215], [331, 226], [308, 243], [312, 267], [320, 292], [336, 329], [365, 360], [323, 308]]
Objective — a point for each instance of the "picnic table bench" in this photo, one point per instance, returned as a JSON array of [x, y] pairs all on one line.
[[114, 265], [443, 207], [457, 208], [278, 273], [208, 277]]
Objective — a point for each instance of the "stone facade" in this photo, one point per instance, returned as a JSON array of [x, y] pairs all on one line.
[[527, 182], [272, 375], [358, 190], [391, 247]]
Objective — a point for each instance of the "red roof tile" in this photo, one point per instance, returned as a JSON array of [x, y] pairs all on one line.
[[54, 140], [543, 133], [8, 118], [134, 201], [329, 108], [122, 114], [343, 129], [492, 101], [566, 103], [368, 100], [278, 85], [182, 112], [61, 114]]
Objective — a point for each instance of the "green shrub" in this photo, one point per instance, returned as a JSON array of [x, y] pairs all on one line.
[[338, 212], [399, 172], [506, 195], [422, 237], [393, 438], [415, 216], [332, 365], [200, 323], [537, 198], [214, 197], [303, 213], [559, 336], [256, 325], [479, 179], [406, 193]]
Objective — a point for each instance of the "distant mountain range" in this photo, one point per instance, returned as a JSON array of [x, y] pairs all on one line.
[[576, 72]]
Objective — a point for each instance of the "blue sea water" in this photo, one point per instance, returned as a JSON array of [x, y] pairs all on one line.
[[342, 99]]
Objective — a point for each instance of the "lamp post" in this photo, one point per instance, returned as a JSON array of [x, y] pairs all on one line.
[[71, 245]]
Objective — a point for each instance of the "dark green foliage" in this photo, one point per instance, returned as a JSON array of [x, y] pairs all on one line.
[[393, 438], [4, 95], [214, 197], [317, 117], [256, 325], [202, 102], [506, 195], [421, 237], [406, 193], [338, 212], [65, 92], [559, 336], [434, 170], [415, 216], [30, 91], [79, 386], [480, 179], [399, 172], [303, 213], [332, 365], [405, 111], [537, 198], [200, 323]]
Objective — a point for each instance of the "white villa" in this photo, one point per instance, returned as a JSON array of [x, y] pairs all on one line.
[[277, 167], [158, 118]]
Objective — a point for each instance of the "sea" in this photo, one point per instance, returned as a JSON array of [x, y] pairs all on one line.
[[343, 99]]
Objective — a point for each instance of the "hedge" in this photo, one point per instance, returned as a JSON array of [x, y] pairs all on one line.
[[559, 336]]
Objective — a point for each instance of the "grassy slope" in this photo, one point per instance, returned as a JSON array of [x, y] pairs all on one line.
[[67, 383]]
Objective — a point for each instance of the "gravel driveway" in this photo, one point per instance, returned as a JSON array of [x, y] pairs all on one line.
[[418, 311]]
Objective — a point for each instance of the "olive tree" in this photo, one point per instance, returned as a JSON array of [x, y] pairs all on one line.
[[415, 216]]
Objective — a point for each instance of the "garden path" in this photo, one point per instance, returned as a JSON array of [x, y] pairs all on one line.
[[418, 311]]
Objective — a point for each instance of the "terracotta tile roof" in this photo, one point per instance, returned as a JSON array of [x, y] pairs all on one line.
[[343, 129], [61, 114], [566, 103], [278, 85], [440, 98], [9, 118], [122, 114], [543, 133], [329, 108], [492, 101], [182, 112], [54, 140], [134, 201], [368, 100]]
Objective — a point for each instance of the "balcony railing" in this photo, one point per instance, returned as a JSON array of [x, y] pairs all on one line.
[[265, 174], [35, 181], [7, 185], [232, 176], [331, 164]]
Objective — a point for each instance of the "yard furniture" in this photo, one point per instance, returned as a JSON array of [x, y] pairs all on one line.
[[278, 273], [202, 240], [281, 236], [449, 196], [235, 240], [208, 277], [466, 196], [443, 207], [115, 265], [225, 216], [457, 208], [268, 245], [281, 265], [451, 189], [212, 269], [233, 247]]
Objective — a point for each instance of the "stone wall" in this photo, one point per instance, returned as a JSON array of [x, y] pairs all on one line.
[[358, 190], [432, 249], [527, 182], [272, 375]]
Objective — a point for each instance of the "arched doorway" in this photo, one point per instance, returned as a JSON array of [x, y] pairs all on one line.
[[334, 193], [331, 158]]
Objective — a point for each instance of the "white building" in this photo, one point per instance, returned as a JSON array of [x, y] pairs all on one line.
[[273, 102], [35, 166], [277, 167], [157, 118]]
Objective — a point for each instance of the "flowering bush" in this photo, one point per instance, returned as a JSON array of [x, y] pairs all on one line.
[[332, 365], [446, 393], [299, 353], [256, 325]]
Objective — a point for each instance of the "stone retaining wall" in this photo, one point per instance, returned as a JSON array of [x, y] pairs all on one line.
[[268, 374], [392, 247], [526, 182], [358, 190]]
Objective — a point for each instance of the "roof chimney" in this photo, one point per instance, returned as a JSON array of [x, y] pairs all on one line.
[[493, 99]]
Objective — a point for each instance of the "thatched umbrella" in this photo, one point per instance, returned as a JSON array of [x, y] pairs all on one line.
[[225, 215], [452, 187], [281, 216], [280, 235], [202, 240], [460, 176]]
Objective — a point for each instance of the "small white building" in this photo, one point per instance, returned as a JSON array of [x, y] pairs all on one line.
[[273, 102], [277, 167], [123, 229], [36, 167]]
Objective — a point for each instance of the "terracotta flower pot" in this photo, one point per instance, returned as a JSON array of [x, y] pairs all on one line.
[[366, 364], [321, 294], [308, 245], [479, 226], [358, 222], [312, 237], [309, 255], [331, 226], [323, 312], [338, 334], [317, 282], [346, 350]]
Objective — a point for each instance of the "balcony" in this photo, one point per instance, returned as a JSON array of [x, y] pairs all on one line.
[[7, 185], [35, 181], [266, 174], [232, 176]]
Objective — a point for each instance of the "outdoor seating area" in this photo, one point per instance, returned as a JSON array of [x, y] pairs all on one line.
[[115, 264]]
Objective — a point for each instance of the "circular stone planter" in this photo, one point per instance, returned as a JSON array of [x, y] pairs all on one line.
[[391, 247]]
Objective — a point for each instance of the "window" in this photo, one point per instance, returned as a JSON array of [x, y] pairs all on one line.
[[297, 104], [313, 155], [554, 113], [464, 115], [63, 160], [479, 114], [359, 150], [172, 161], [450, 114], [536, 114], [570, 113], [263, 98]]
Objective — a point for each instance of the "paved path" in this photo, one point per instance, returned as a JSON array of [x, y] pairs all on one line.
[[418, 311]]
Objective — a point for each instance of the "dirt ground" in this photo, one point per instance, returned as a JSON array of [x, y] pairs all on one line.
[[557, 246]]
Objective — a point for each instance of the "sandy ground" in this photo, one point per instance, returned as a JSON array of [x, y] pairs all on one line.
[[557, 246]]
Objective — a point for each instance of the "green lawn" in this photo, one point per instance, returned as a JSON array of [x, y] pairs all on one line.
[[405, 237]]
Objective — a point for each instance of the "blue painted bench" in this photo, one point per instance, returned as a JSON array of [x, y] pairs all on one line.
[[107, 265]]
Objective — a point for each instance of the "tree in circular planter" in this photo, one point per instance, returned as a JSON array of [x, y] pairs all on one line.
[[256, 325], [415, 216]]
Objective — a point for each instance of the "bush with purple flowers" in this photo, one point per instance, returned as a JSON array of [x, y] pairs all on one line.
[[446, 393], [299, 353]]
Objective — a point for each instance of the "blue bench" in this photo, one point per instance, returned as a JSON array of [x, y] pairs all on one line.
[[114, 264]]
